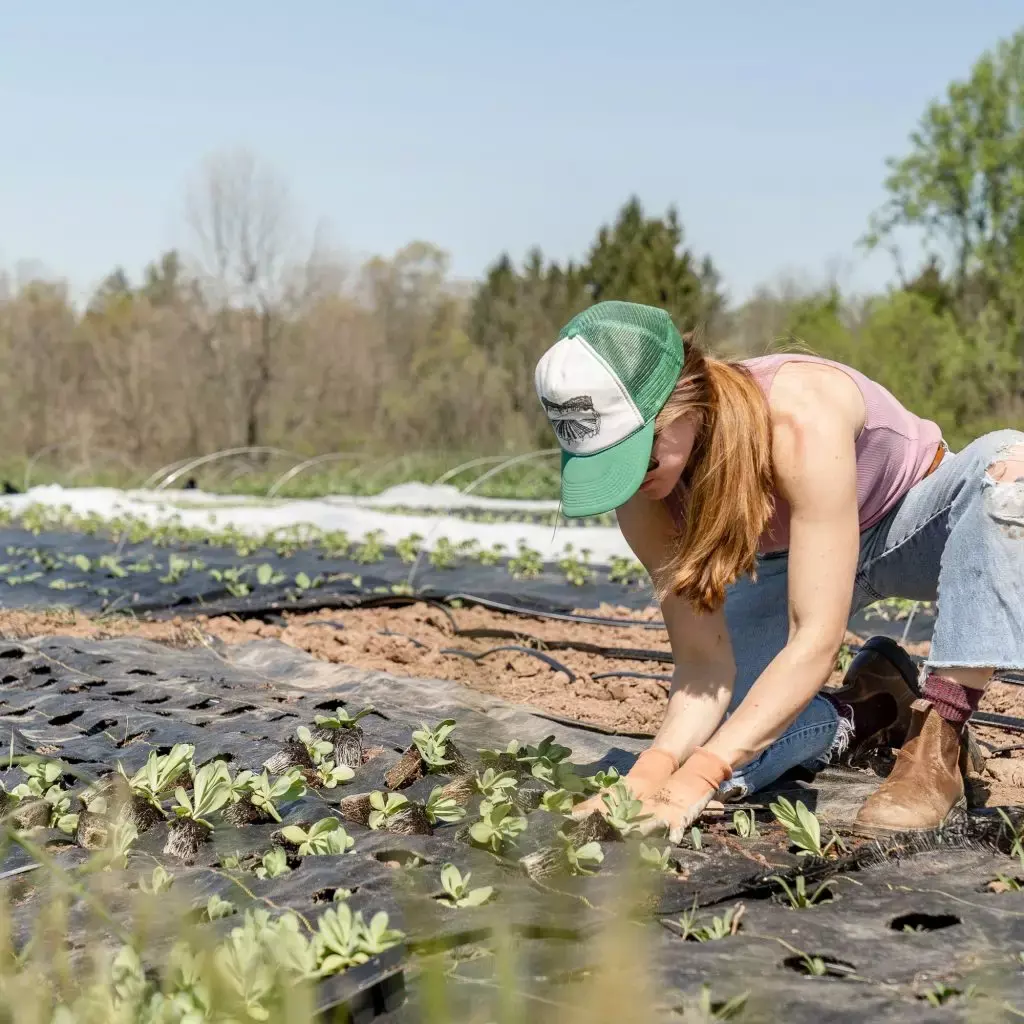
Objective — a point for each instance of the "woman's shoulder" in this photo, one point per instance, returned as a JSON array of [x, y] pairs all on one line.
[[809, 391]]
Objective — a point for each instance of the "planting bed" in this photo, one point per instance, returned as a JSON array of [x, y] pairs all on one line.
[[929, 929]]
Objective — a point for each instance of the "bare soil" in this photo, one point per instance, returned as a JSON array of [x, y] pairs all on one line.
[[418, 640]]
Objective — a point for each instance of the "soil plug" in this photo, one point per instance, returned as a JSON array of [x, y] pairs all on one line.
[[356, 808], [432, 751], [93, 830], [344, 733], [595, 827], [294, 755], [28, 814], [210, 792], [396, 813]]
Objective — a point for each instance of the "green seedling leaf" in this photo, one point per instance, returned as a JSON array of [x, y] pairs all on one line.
[[216, 908], [274, 864], [441, 808], [457, 889], [384, 807], [160, 881]]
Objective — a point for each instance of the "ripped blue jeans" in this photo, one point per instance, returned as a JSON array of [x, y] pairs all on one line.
[[957, 538]]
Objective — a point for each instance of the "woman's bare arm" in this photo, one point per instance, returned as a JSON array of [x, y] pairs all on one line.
[[704, 672], [815, 468]]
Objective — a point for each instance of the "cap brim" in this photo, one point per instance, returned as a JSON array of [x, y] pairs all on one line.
[[598, 483]]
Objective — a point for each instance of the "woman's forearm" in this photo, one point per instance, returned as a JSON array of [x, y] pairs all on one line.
[[782, 691], [698, 701]]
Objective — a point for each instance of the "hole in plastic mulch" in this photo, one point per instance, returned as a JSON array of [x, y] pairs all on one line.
[[923, 922], [814, 966]]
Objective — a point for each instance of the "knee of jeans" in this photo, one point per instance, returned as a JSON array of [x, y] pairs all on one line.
[[1003, 489]]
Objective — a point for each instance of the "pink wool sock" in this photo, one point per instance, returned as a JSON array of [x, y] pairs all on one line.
[[953, 702]]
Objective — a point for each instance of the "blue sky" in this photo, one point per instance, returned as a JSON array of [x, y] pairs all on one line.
[[481, 127]]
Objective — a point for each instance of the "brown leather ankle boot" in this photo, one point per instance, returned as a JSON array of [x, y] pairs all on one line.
[[880, 686], [925, 789]]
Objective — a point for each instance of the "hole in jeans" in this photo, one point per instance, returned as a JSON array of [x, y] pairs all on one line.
[[1004, 498]]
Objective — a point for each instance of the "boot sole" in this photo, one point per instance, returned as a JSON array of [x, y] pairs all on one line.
[[957, 816]]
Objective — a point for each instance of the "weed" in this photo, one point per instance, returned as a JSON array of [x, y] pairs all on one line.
[[717, 928], [797, 894]]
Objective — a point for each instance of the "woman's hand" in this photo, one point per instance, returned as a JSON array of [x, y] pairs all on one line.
[[686, 794], [651, 770]]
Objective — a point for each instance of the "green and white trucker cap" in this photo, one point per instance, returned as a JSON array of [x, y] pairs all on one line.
[[602, 384]]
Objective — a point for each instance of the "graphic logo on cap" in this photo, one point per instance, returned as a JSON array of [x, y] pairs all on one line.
[[574, 421]]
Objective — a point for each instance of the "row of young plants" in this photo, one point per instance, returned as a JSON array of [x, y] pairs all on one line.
[[494, 516], [489, 804], [524, 563]]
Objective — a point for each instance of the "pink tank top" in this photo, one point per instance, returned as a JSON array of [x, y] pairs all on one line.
[[895, 449]]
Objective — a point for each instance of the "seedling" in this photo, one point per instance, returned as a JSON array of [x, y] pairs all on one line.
[[710, 1010], [814, 965], [371, 550], [557, 801], [443, 555], [160, 881], [341, 719], [265, 794], [384, 807], [582, 861], [1016, 835], [267, 577], [442, 808], [745, 824], [491, 555], [211, 790], [577, 571], [723, 927], [498, 826], [160, 772], [799, 898], [527, 564], [409, 547], [494, 784], [274, 864], [602, 780], [696, 839], [217, 908], [432, 744], [624, 812], [233, 579], [322, 838], [659, 860], [457, 892], [122, 838], [803, 828], [331, 775], [941, 993], [344, 940], [625, 571], [317, 749]]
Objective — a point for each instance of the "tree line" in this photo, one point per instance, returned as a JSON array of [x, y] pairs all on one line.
[[249, 337]]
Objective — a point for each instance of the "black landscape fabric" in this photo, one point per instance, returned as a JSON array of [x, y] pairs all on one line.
[[891, 923]]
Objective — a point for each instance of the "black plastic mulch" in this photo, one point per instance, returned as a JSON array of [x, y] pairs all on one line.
[[91, 704]]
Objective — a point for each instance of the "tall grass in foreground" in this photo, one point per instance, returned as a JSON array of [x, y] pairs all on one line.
[[150, 960]]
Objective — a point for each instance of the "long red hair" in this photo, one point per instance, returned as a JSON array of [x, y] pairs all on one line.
[[727, 487]]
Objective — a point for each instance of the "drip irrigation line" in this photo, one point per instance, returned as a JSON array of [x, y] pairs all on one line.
[[552, 663], [404, 636], [1008, 722]]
